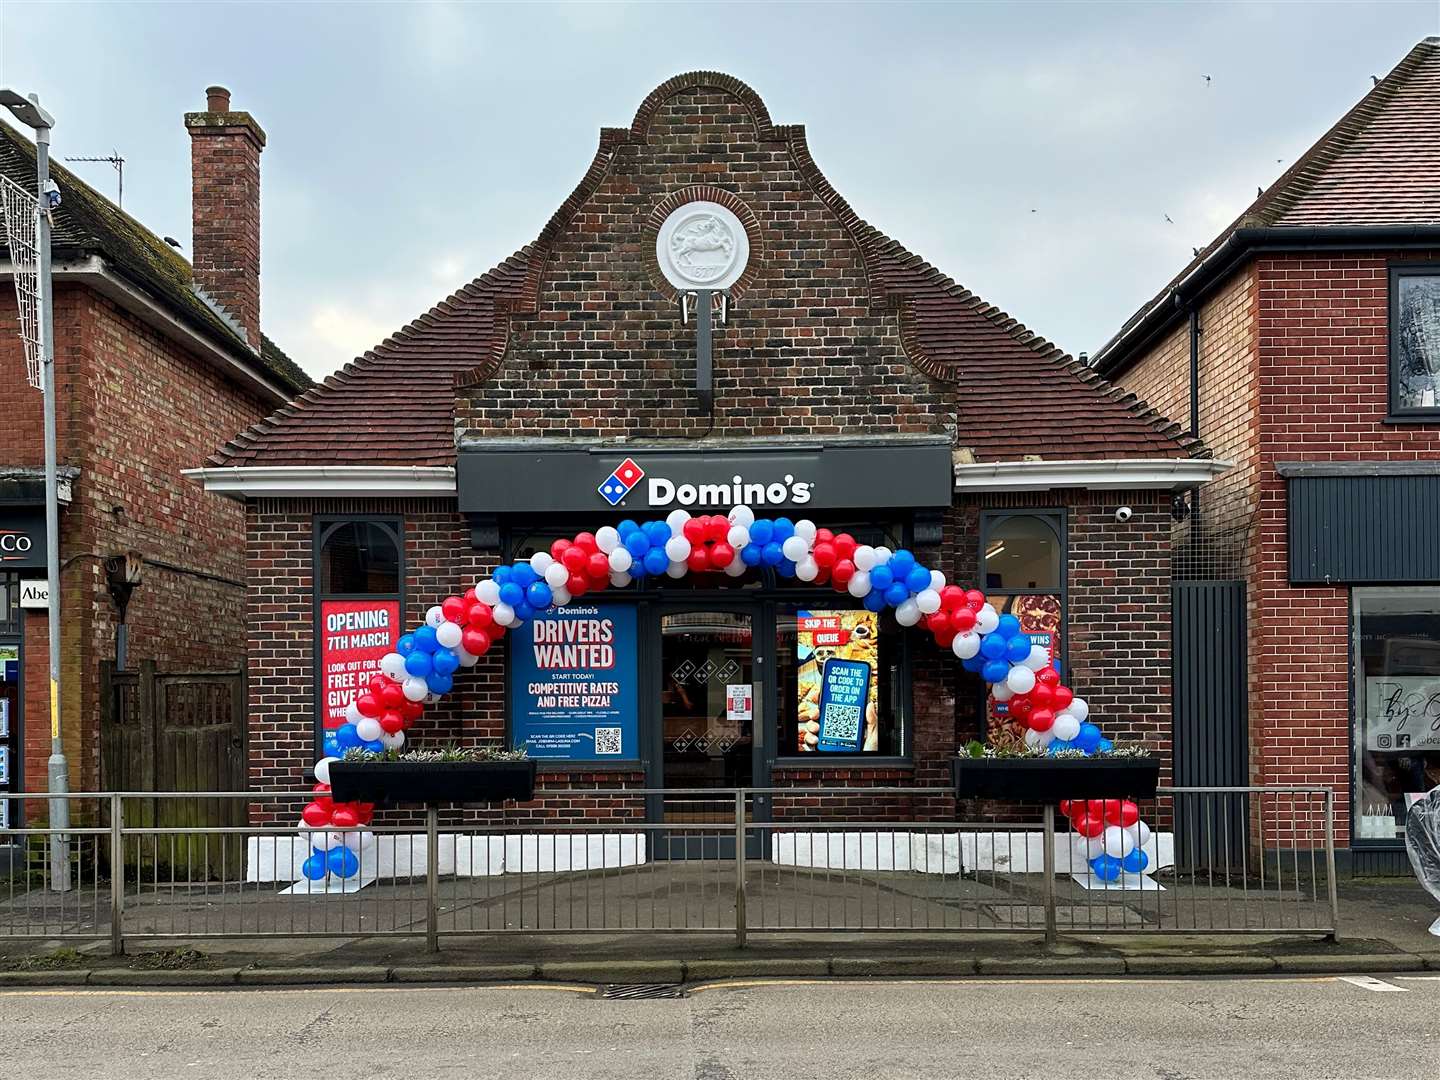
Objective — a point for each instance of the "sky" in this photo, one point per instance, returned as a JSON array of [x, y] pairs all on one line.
[[1060, 160]]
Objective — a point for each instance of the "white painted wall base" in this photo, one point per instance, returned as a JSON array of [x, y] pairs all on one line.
[[917, 852], [1024, 853]]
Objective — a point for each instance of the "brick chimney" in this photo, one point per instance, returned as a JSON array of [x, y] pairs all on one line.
[[225, 151]]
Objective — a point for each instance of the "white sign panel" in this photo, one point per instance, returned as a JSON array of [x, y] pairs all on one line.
[[738, 703], [1402, 712], [34, 593]]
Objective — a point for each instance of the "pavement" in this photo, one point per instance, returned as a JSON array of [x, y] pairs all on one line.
[[799, 1029]]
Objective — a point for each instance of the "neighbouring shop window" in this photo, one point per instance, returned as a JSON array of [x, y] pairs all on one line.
[[9, 604], [1397, 706], [359, 570], [1415, 340], [840, 676], [1022, 571]]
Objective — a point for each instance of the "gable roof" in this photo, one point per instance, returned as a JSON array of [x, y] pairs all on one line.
[[87, 223], [1375, 173], [393, 405]]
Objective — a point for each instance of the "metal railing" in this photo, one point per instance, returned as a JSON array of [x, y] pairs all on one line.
[[890, 860]]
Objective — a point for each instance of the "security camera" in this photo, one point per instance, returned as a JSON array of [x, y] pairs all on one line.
[[1123, 514]]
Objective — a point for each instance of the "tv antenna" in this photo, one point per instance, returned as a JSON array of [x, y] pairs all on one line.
[[116, 162]]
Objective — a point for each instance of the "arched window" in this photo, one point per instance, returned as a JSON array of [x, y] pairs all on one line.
[[1022, 571], [359, 558]]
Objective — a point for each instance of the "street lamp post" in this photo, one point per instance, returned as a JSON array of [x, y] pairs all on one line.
[[29, 113]]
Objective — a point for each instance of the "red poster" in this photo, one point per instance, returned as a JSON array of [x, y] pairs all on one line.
[[354, 635]]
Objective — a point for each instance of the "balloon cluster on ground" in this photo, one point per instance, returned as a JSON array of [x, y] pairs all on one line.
[[335, 831], [459, 631]]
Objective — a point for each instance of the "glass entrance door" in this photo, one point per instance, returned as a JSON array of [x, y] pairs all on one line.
[[707, 725]]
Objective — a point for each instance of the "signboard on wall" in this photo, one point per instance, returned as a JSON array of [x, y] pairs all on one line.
[[837, 680], [22, 538], [573, 683], [354, 635], [1402, 712]]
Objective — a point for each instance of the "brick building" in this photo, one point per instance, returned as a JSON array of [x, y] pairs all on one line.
[[153, 360], [1302, 344], [847, 381]]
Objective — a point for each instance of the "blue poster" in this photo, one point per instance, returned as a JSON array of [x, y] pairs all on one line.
[[573, 674]]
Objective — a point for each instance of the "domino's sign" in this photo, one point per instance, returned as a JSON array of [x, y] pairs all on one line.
[[662, 491]]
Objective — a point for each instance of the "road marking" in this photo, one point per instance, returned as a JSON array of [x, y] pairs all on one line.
[[1369, 982], [982, 982], [305, 988]]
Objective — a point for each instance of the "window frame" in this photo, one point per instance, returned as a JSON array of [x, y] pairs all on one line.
[[1395, 412], [1057, 517]]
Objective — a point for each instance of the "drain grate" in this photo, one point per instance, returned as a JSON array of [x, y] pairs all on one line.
[[632, 991]]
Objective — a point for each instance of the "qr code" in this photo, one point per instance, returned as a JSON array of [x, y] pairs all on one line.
[[607, 740], [842, 722]]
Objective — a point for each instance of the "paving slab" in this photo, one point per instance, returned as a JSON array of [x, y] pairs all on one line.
[[1342, 963], [463, 973], [1051, 965], [126, 976], [1200, 965], [613, 971], [283, 976]]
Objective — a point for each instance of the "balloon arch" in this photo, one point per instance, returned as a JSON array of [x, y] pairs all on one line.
[[460, 630]]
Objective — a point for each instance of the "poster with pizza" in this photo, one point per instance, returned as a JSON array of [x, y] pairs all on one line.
[[1043, 618], [354, 635]]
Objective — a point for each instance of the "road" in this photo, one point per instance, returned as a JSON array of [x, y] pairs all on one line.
[[990, 1029]]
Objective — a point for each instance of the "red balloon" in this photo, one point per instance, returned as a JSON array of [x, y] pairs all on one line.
[[315, 815], [579, 584], [453, 609], [496, 632], [842, 571], [963, 619], [845, 546], [699, 557], [598, 566], [364, 812], [1048, 677], [1067, 807], [1040, 720], [939, 621], [1123, 814], [412, 710], [823, 536], [585, 541], [377, 683], [718, 528], [469, 595], [391, 722], [721, 555], [1042, 695], [694, 531], [1020, 706], [1088, 826], [974, 599], [573, 558], [822, 576], [479, 616], [1063, 696], [557, 549], [321, 789], [368, 705], [945, 638], [824, 553], [345, 817], [392, 697], [475, 642], [952, 597]]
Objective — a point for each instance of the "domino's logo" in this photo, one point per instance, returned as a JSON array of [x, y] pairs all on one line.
[[618, 484]]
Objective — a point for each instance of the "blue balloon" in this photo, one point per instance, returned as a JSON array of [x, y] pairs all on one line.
[[917, 580], [440, 684], [524, 611], [901, 563], [1089, 738], [637, 543], [785, 568], [346, 737], [762, 532], [657, 532], [656, 561], [406, 645], [784, 529], [752, 554], [882, 577], [418, 664], [1055, 663], [524, 575], [425, 639], [342, 862], [315, 867], [1105, 746], [637, 569], [501, 575], [974, 663], [994, 670], [1017, 648], [874, 600], [771, 554], [375, 746], [895, 595], [538, 595], [626, 527], [993, 647], [512, 593], [1135, 862], [444, 662], [1106, 867], [1008, 626]]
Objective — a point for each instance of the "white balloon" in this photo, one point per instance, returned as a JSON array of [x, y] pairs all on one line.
[[1094, 845], [393, 742], [448, 634], [1001, 692], [1021, 680], [393, 664], [676, 520], [620, 561], [737, 566], [369, 728], [1046, 737], [986, 620], [556, 575], [937, 580], [1078, 708], [805, 529], [1032, 739], [504, 614], [864, 558], [806, 569], [966, 645], [466, 659], [1039, 658], [742, 515], [882, 555], [541, 561], [928, 601], [1065, 727], [332, 839], [430, 698], [434, 616], [737, 537], [414, 689], [794, 548], [676, 569], [1118, 842], [619, 578], [354, 839], [1139, 833], [907, 612], [487, 592], [859, 584], [677, 549], [560, 595], [322, 769], [352, 711], [607, 539]]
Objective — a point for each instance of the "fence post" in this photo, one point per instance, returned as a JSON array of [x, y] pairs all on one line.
[[117, 875], [432, 877], [1048, 847], [1330, 884], [740, 918]]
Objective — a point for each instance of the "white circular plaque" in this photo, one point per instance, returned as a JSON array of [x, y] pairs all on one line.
[[702, 245]]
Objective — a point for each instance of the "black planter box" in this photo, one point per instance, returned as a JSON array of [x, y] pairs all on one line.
[[1048, 780], [432, 781]]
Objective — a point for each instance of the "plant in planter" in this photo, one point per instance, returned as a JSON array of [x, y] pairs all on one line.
[[457, 775]]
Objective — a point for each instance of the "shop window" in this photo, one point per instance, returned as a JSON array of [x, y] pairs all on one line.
[[9, 604], [1415, 340], [359, 558], [1397, 706], [840, 674], [1022, 571]]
